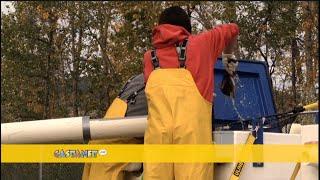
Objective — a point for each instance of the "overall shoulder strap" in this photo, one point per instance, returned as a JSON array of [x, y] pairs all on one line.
[[181, 50], [154, 59], [182, 55]]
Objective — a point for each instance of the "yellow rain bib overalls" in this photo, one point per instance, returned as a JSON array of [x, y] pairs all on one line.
[[110, 171], [177, 114]]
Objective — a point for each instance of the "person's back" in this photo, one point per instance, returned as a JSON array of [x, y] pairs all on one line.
[[202, 52], [179, 87]]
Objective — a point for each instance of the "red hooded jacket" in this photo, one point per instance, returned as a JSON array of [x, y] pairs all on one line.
[[202, 52]]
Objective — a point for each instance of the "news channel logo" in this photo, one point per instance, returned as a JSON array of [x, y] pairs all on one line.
[[76, 153]]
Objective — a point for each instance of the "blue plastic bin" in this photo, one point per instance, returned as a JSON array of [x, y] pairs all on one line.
[[253, 97]]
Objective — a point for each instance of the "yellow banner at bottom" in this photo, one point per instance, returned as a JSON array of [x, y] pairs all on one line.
[[102, 153]]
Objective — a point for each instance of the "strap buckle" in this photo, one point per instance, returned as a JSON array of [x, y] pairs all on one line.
[[181, 50], [154, 59], [132, 98]]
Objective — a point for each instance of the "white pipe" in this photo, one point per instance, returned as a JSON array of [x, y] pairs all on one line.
[[70, 130], [127, 127]]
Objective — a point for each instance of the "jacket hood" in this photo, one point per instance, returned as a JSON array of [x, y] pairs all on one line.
[[166, 35]]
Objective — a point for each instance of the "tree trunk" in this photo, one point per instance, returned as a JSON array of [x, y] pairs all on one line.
[[47, 109], [283, 94], [294, 58], [308, 46], [104, 24], [296, 73], [75, 71]]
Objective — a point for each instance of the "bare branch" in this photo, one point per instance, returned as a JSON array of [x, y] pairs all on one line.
[[263, 55]]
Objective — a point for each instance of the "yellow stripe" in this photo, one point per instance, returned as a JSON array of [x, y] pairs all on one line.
[[240, 165], [158, 153], [313, 106], [295, 171]]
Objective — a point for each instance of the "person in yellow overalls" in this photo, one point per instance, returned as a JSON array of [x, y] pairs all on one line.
[[130, 102], [178, 72]]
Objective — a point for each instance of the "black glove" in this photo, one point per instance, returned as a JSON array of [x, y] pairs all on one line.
[[228, 85]]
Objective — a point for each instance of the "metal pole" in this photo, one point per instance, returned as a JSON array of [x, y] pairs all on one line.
[[40, 171]]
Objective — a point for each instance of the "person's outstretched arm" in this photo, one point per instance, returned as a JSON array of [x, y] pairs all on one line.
[[221, 38]]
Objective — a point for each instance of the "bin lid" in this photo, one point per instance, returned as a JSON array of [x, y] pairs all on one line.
[[253, 96]]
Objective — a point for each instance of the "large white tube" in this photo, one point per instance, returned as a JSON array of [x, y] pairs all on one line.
[[127, 127], [70, 130]]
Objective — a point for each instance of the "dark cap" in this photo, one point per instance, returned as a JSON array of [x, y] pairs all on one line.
[[175, 15]]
